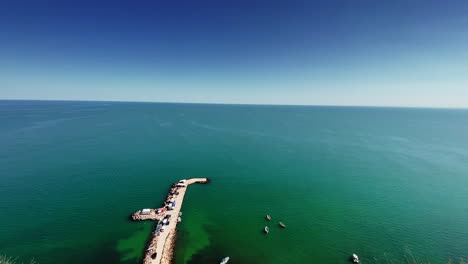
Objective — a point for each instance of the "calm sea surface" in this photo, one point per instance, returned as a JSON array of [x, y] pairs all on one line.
[[389, 184]]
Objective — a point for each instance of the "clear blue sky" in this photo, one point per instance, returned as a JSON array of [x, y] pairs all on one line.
[[348, 52]]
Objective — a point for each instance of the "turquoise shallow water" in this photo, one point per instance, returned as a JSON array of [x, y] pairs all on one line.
[[385, 183]]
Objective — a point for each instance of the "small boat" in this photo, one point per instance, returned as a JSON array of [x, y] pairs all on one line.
[[150, 248], [268, 217], [355, 258], [224, 260], [179, 219], [282, 225], [267, 230]]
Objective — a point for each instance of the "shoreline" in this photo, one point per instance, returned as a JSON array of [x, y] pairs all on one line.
[[161, 245]]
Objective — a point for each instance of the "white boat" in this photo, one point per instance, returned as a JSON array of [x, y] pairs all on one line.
[[267, 230], [224, 260], [150, 248], [355, 258]]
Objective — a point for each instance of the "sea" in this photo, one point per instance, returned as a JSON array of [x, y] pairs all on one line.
[[388, 184]]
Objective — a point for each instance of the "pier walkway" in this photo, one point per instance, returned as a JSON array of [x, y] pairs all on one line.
[[160, 248]]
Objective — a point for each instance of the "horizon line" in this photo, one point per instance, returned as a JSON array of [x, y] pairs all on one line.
[[241, 104]]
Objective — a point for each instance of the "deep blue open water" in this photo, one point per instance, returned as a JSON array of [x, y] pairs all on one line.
[[389, 184]]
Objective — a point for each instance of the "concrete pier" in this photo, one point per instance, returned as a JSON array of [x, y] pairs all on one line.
[[161, 246]]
